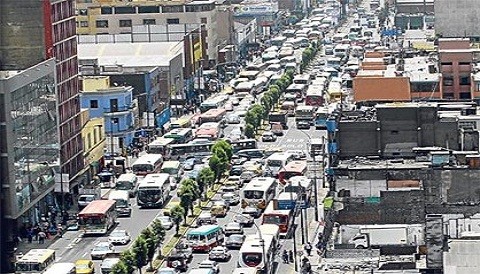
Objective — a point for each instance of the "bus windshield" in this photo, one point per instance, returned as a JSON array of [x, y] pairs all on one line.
[[142, 168], [274, 219], [275, 163], [149, 194], [253, 194], [252, 259]]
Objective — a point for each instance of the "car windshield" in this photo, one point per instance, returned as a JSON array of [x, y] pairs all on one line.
[[235, 237], [253, 194], [252, 259], [275, 163], [117, 234], [194, 237], [82, 266], [101, 248]]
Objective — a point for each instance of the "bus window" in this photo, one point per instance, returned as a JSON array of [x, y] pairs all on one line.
[[205, 237], [180, 135], [148, 163], [127, 181]]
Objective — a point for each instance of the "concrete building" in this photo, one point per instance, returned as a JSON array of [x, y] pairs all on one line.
[[456, 62], [115, 105], [462, 256], [266, 14], [414, 14], [28, 150], [154, 70], [153, 21], [457, 18], [93, 137], [33, 31]]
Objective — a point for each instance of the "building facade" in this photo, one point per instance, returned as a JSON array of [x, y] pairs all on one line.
[[151, 21], [29, 148], [115, 104], [93, 137], [456, 61]]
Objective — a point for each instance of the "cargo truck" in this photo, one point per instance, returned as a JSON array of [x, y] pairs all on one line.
[[388, 235]]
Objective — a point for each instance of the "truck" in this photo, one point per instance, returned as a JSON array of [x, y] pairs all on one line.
[[371, 236], [279, 117], [304, 116]]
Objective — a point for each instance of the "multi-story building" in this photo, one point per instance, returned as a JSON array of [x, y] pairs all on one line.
[[154, 70], [456, 58], [113, 103], [28, 149], [152, 21], [93, 136], [33, 31]]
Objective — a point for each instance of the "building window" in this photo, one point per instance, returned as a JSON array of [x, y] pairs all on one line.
[[149, 9], [464, 63], [102, 23], [89, 141], [84, 24], [125, 10], [82, 12], [448, 81], [203, 20], [446, 63], [172, 9], [93, 103], [125, 23], [113, 105], [149, 21], [394, 132], [173, 21], [106, 10], [465, 95], [448, 95], [464, 80]]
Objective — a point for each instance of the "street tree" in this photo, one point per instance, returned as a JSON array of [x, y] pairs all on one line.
[[249, 131], [218, 163], [250, 118], [225, 146], [187, 197], [159, 232], [205, 179], [177, 214], [119, 268], [150, 244], [139, 250], [129, 260]]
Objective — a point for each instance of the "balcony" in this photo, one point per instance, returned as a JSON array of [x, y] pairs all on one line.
[[120, 110]]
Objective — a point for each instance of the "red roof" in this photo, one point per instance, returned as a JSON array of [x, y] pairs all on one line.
[[97, 207]]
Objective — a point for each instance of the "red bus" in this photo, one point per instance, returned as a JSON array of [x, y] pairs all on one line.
[[294, 168], [98, 217], [281, 217], [213, 115], [314, 97]]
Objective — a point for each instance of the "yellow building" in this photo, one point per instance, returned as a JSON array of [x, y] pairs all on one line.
[[93, 136]]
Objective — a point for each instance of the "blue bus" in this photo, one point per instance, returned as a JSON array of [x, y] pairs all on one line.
[[321, 116]]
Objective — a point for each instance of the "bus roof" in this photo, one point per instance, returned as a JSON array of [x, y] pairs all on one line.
[[269, 230], [279, 156], [97, 207], [295, 166], [245, 270], [181, 121], [213, 112], [296, 86], [286, 196], [171, 164], [126, 177], [245, 73], [161, 141], [118, 194], [154, 179], [300, 180], [148, 159], [204, 229], [260, 183], [59, 268], [306, 108], [36, 256], [271, 210], [177, 131]]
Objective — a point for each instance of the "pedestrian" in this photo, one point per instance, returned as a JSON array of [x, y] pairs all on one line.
[[30, 235], [308, 248], [41, 237], [290, 256], [285, 256]]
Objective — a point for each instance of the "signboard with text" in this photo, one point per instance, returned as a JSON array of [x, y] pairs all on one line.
[[256, 9]]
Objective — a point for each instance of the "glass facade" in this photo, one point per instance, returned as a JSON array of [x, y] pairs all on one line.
[[35, 140]]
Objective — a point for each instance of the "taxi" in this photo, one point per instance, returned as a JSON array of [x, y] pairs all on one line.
[[219, 209], [84, 266]]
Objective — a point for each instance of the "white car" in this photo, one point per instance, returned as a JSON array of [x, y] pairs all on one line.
[[166, 222], [208, 264], [233, 228], [119, 237], [167, 270], [101, 250], [268, 136], [219, 253], [231, 198]]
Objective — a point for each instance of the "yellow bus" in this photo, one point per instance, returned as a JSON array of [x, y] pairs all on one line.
[[181, 123], [35, 261]]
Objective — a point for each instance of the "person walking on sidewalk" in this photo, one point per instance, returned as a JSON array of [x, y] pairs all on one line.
[[41, 237], [290, 256], [308, 248], [285, 256]]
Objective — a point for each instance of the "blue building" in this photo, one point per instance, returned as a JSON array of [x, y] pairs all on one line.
[[116, 105]]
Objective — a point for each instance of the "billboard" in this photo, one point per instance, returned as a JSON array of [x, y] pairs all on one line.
[[255, 9]]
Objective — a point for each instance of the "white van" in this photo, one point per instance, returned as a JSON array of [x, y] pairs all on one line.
[[61, 268], [127, 181], [122, 206]]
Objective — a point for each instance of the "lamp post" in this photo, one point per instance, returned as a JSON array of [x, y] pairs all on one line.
[[113, 121]]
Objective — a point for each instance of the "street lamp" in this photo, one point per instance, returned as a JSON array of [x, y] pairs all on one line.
[[315, 188]]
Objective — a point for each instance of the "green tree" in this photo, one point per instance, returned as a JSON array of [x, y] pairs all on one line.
[[187, 197], [159, 232], [119, 268], [266, 102], [249, 131], [225, 146], [206, 178], [177, 214], [150, 244], [139, 250], [250, 117], [129, 260], [218, 163]]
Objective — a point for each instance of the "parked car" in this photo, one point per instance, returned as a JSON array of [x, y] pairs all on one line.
[[237, 160], [167, 270], [233, 228], [234, 241], [219, 253], [208, 264], [119, 236], [85, 199], [100, 250], [268, 136], [166, 222]]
